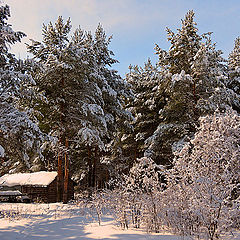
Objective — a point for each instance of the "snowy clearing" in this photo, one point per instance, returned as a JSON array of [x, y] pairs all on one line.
[[62, 222], [58, 221]]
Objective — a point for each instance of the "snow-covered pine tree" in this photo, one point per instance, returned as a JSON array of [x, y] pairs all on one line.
[[195, 85], [148, 100], [113, 92], [84, 96], [20, 136], [234, 74], [234, 56], [175, 118], [184, 46], [51, 78]]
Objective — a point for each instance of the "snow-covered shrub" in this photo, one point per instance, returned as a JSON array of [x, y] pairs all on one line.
[[199, 199], [98, 205], [144, 183], [134, 201]]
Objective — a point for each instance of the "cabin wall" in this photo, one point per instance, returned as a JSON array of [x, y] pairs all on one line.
[[52, 191], [46, 194], [35, 193]]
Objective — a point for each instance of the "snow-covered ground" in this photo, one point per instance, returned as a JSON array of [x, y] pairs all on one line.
[[65, 222], [62, 222]]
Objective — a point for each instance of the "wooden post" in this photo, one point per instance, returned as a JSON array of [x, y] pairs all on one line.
[[66, 175]]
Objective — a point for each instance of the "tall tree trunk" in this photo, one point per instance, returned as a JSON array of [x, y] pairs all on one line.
[[62, 143], [66, 175], [89, 173], [59, 178], [94, 169]]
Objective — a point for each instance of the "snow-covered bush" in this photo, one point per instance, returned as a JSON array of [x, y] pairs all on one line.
[[144, 184], [134, 201], [201, 197]]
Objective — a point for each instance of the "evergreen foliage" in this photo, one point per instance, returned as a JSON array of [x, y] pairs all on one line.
[[191, 82], [234, 74], [144, 107], [84, 96], [20, 136]]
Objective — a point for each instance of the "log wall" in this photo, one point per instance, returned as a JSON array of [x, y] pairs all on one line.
[[46, 194]]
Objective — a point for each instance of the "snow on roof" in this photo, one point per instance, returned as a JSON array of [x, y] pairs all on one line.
[[10, 193], [33, 179]]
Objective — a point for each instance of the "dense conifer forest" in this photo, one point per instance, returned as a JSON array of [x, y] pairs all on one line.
[[161, 144]]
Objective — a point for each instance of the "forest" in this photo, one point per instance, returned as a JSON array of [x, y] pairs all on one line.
[[161, 145]]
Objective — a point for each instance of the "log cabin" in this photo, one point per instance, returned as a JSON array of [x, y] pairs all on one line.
[[38, 186]]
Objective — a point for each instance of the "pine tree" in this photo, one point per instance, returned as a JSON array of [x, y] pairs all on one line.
[[20, 136], [84, 96], [194, 85], [184, 46], [145, 106], [234, 74], [234, 56]]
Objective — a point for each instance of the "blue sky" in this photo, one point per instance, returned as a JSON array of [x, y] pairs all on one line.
[[136, 25]]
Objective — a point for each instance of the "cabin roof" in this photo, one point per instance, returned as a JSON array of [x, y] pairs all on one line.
[[42, 178]]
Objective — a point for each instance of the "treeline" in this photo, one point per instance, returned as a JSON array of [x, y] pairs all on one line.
[[66, 105]]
